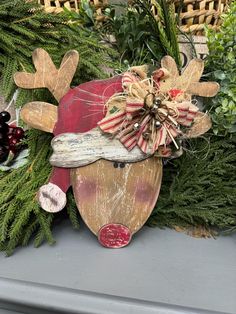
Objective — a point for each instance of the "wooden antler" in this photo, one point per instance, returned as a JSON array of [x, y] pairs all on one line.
[[47, 75], [40, 115], [169, 64], [189, 80]]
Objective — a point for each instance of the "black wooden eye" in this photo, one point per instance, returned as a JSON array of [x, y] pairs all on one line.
[[122, 165], [115, 164]]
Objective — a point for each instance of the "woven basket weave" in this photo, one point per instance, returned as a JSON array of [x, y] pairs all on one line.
[[56, 6], [195, 14]]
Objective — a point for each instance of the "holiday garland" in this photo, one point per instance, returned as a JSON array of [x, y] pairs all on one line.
[[144, 31]]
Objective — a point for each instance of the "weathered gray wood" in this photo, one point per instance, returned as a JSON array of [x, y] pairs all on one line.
[[75, 150], [189, 50]]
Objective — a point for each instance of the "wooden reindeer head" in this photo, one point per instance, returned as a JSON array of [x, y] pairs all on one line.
[[113, 201], [116, 179]]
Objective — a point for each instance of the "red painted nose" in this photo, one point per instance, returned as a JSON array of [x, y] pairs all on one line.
[[114, 236]]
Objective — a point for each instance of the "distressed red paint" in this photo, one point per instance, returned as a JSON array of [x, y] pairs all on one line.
[[175, 92], [79, 111], [114, 236]]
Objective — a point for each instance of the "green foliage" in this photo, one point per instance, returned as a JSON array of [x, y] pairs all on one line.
[[84, 17], [142, 37], [20, 214], [199, 188], [24, 26], [222, 62]]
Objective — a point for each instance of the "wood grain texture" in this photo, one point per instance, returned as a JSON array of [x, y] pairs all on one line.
[[47, 75], [72, 150], [106, 195], [202, 123], [191, 74], [169, 64], [40, 115], [198, 43], [188, 81], [203, 89]]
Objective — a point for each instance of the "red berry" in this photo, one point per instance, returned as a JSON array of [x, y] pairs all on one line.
[[11, 129], [18, 133], [13, 142], [10, 136]]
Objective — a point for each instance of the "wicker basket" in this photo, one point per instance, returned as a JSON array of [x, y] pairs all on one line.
[[195, 14], [56, 6]]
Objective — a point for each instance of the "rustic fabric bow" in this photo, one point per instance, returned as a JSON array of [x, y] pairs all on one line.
[[150, 119]]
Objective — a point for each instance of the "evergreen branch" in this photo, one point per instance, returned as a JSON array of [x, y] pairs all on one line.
[[199, 189], [30, 229], [39, 238], [72, 211], [6, 220], [45, 221]]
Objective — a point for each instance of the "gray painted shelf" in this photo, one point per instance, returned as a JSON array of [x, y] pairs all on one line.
[[161, 272]]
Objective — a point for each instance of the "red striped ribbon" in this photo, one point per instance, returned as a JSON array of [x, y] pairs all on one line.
[[122, 123]]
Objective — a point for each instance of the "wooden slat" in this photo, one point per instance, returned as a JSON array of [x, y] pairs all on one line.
[[76, 150]]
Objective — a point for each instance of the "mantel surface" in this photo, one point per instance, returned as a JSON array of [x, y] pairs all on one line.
[[161, 271]]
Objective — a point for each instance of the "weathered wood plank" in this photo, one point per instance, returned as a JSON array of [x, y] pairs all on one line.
[[202, 123], [203, 89], [75, 150], [39, 115], [106, 195], [188, 50], [47, 75]]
